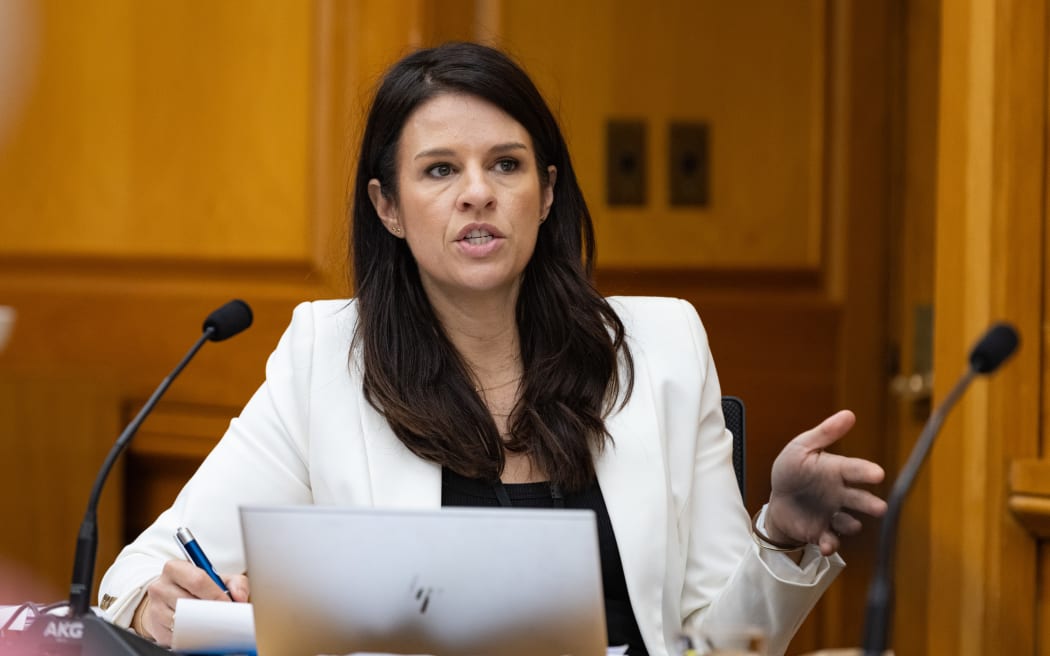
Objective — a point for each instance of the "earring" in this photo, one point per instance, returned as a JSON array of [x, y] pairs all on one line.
[[397, 230]]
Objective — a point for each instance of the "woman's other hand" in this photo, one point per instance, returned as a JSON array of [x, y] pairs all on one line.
[[155, 615], [815, 493]]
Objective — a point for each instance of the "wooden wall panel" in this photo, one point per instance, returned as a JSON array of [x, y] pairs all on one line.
[[47, 425], [164, 129], [755, 74], [245, 198]]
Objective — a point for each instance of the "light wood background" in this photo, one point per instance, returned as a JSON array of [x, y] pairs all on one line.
[[163, 157]]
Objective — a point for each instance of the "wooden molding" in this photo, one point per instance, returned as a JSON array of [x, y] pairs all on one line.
[[181, 430], [1029, 495], [1030, 477], [1032, 512]]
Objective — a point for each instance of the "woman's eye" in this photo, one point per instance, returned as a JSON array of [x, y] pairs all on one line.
[[440, 170], [507, 165]]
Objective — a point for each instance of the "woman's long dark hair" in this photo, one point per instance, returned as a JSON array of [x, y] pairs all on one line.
[[572, 342]]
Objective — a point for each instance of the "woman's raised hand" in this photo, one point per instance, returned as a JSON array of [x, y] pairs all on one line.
[[815, 494]]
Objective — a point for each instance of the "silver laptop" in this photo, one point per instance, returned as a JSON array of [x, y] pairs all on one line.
[[453, 582]]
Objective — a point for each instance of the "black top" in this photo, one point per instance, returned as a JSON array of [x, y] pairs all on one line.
[[620, 624]]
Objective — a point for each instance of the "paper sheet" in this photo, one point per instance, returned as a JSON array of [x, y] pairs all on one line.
[[213, 626], [5, 614]]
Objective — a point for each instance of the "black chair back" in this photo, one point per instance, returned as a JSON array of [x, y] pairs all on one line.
[[733, 410]]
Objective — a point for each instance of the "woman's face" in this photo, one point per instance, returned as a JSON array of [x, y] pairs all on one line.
[[470, 201]]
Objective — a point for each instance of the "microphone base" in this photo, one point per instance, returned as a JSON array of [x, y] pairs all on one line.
[[52, 635], [101, 637]]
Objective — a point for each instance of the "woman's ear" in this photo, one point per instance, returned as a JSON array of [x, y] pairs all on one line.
[[548, 192], [385, 206]]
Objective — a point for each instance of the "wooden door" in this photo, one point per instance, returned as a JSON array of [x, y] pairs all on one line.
[[987, 497]]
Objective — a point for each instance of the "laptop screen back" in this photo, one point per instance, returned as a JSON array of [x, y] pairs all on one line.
[[453, 581]]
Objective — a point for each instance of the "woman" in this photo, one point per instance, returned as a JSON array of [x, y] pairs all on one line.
[[484, 369]]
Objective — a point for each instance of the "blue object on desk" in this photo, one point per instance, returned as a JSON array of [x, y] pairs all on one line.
[[196, 555]]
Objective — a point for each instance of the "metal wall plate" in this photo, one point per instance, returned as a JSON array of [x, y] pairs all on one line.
[[689, 165], [625, 164]]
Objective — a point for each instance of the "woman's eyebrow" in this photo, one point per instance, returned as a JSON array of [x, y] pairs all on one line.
[[510, 146], [434, 152]]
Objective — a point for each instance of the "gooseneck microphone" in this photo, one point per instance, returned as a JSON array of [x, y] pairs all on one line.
[[221, 324], [992, 350], [225, 322]]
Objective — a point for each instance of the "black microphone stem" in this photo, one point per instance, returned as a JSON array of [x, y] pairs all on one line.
[[87, 538], [879, 614]]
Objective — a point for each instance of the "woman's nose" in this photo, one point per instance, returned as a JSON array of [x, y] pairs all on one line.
[[477, 192]]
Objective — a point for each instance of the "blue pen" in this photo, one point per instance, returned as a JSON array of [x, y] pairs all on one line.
[[196, 555]]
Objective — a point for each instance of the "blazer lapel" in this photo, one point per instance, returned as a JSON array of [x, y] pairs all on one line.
[[631, 474], [397, 477]]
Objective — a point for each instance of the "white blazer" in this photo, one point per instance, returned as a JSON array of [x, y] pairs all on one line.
[[308, 436]]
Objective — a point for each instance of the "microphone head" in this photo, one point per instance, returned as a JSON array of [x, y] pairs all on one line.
[[995, 347], [228, 320]]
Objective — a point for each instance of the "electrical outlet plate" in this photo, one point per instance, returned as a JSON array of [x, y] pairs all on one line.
[[625, 163], [690, 164]]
